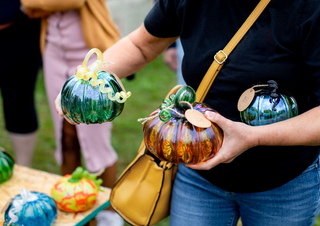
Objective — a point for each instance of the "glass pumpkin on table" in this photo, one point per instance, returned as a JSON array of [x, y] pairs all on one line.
[[269, 105], [91, 96], [31, 208], [170, 136], [77, 192], [6, 165]]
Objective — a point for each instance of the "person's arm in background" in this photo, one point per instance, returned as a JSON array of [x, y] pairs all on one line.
[[40, 9], [52, 5], [170, 57]]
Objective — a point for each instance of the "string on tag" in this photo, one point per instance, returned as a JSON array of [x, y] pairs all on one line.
[[259, 86]]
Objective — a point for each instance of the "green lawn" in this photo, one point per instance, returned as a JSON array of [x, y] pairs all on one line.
[[148, 90]]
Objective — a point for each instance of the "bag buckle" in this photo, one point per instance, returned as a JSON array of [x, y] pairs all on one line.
[[220, 57]]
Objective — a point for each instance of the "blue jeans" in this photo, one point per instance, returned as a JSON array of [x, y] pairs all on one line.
[[197, 202]]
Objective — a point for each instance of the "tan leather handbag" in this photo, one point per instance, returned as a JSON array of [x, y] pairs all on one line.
[[142, 193]]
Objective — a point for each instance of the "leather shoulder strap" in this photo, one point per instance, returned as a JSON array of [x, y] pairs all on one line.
[[222, 55]]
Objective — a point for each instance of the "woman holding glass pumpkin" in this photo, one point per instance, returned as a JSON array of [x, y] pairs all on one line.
[[267, 175]]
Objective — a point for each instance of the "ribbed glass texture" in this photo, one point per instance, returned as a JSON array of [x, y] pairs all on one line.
[[41, 212], [83, 103], [265, 110], [6, 166], [178, 141]]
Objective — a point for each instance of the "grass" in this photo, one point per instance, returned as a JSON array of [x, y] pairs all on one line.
[[148, 90]]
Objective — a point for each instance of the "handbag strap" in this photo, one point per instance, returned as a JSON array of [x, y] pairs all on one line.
[[222, 55]]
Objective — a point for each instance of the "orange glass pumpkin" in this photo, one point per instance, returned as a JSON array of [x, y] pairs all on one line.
[[77, 192], [171, 137]]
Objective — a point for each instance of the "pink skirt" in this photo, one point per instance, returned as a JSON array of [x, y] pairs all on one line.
[[65, 50]]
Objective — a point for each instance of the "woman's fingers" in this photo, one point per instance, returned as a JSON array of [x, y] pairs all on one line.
[[57, 104], [237, 138]]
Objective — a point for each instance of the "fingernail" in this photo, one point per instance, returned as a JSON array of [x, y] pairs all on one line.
[[209, 113]]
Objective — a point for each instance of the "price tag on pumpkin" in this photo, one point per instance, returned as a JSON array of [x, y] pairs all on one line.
[[246, 99], [196, 118]]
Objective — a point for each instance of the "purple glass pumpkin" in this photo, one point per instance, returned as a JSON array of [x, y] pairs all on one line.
[[171, 137]]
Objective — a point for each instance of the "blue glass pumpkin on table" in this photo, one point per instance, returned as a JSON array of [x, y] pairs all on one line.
[[6, 166], [31, 208], [269, 106], [91, 96], [171, 134]]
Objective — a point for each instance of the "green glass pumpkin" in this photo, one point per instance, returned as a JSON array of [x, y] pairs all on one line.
[[171, 137], [269, 106], [91, 96], [77, 192], [6, 166]]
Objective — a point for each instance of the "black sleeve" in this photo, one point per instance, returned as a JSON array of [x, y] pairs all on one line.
[[162, 20], [310, 38]]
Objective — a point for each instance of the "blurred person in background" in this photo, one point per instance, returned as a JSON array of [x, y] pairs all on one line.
[[18, 77]]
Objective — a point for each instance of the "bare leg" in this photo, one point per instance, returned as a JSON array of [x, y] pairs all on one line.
[[70, 149], [109, 177], [23, 146]]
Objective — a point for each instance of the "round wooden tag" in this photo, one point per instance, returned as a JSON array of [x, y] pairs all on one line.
[[246, 99], [196, 118]]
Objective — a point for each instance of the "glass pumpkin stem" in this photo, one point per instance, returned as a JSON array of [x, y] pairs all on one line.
[[77, 175], [17, 204], [184, 94], [120, 97], [80, 173], [86, 73]]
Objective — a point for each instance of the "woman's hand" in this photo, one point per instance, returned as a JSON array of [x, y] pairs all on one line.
[[238, 137], [57, 104]]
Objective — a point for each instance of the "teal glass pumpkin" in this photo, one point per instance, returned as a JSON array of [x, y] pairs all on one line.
[[91, 96], [170, 136], [31, 208], [6, 166], [269, 106]]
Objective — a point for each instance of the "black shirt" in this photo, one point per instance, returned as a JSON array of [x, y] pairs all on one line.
[[282, 45]]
